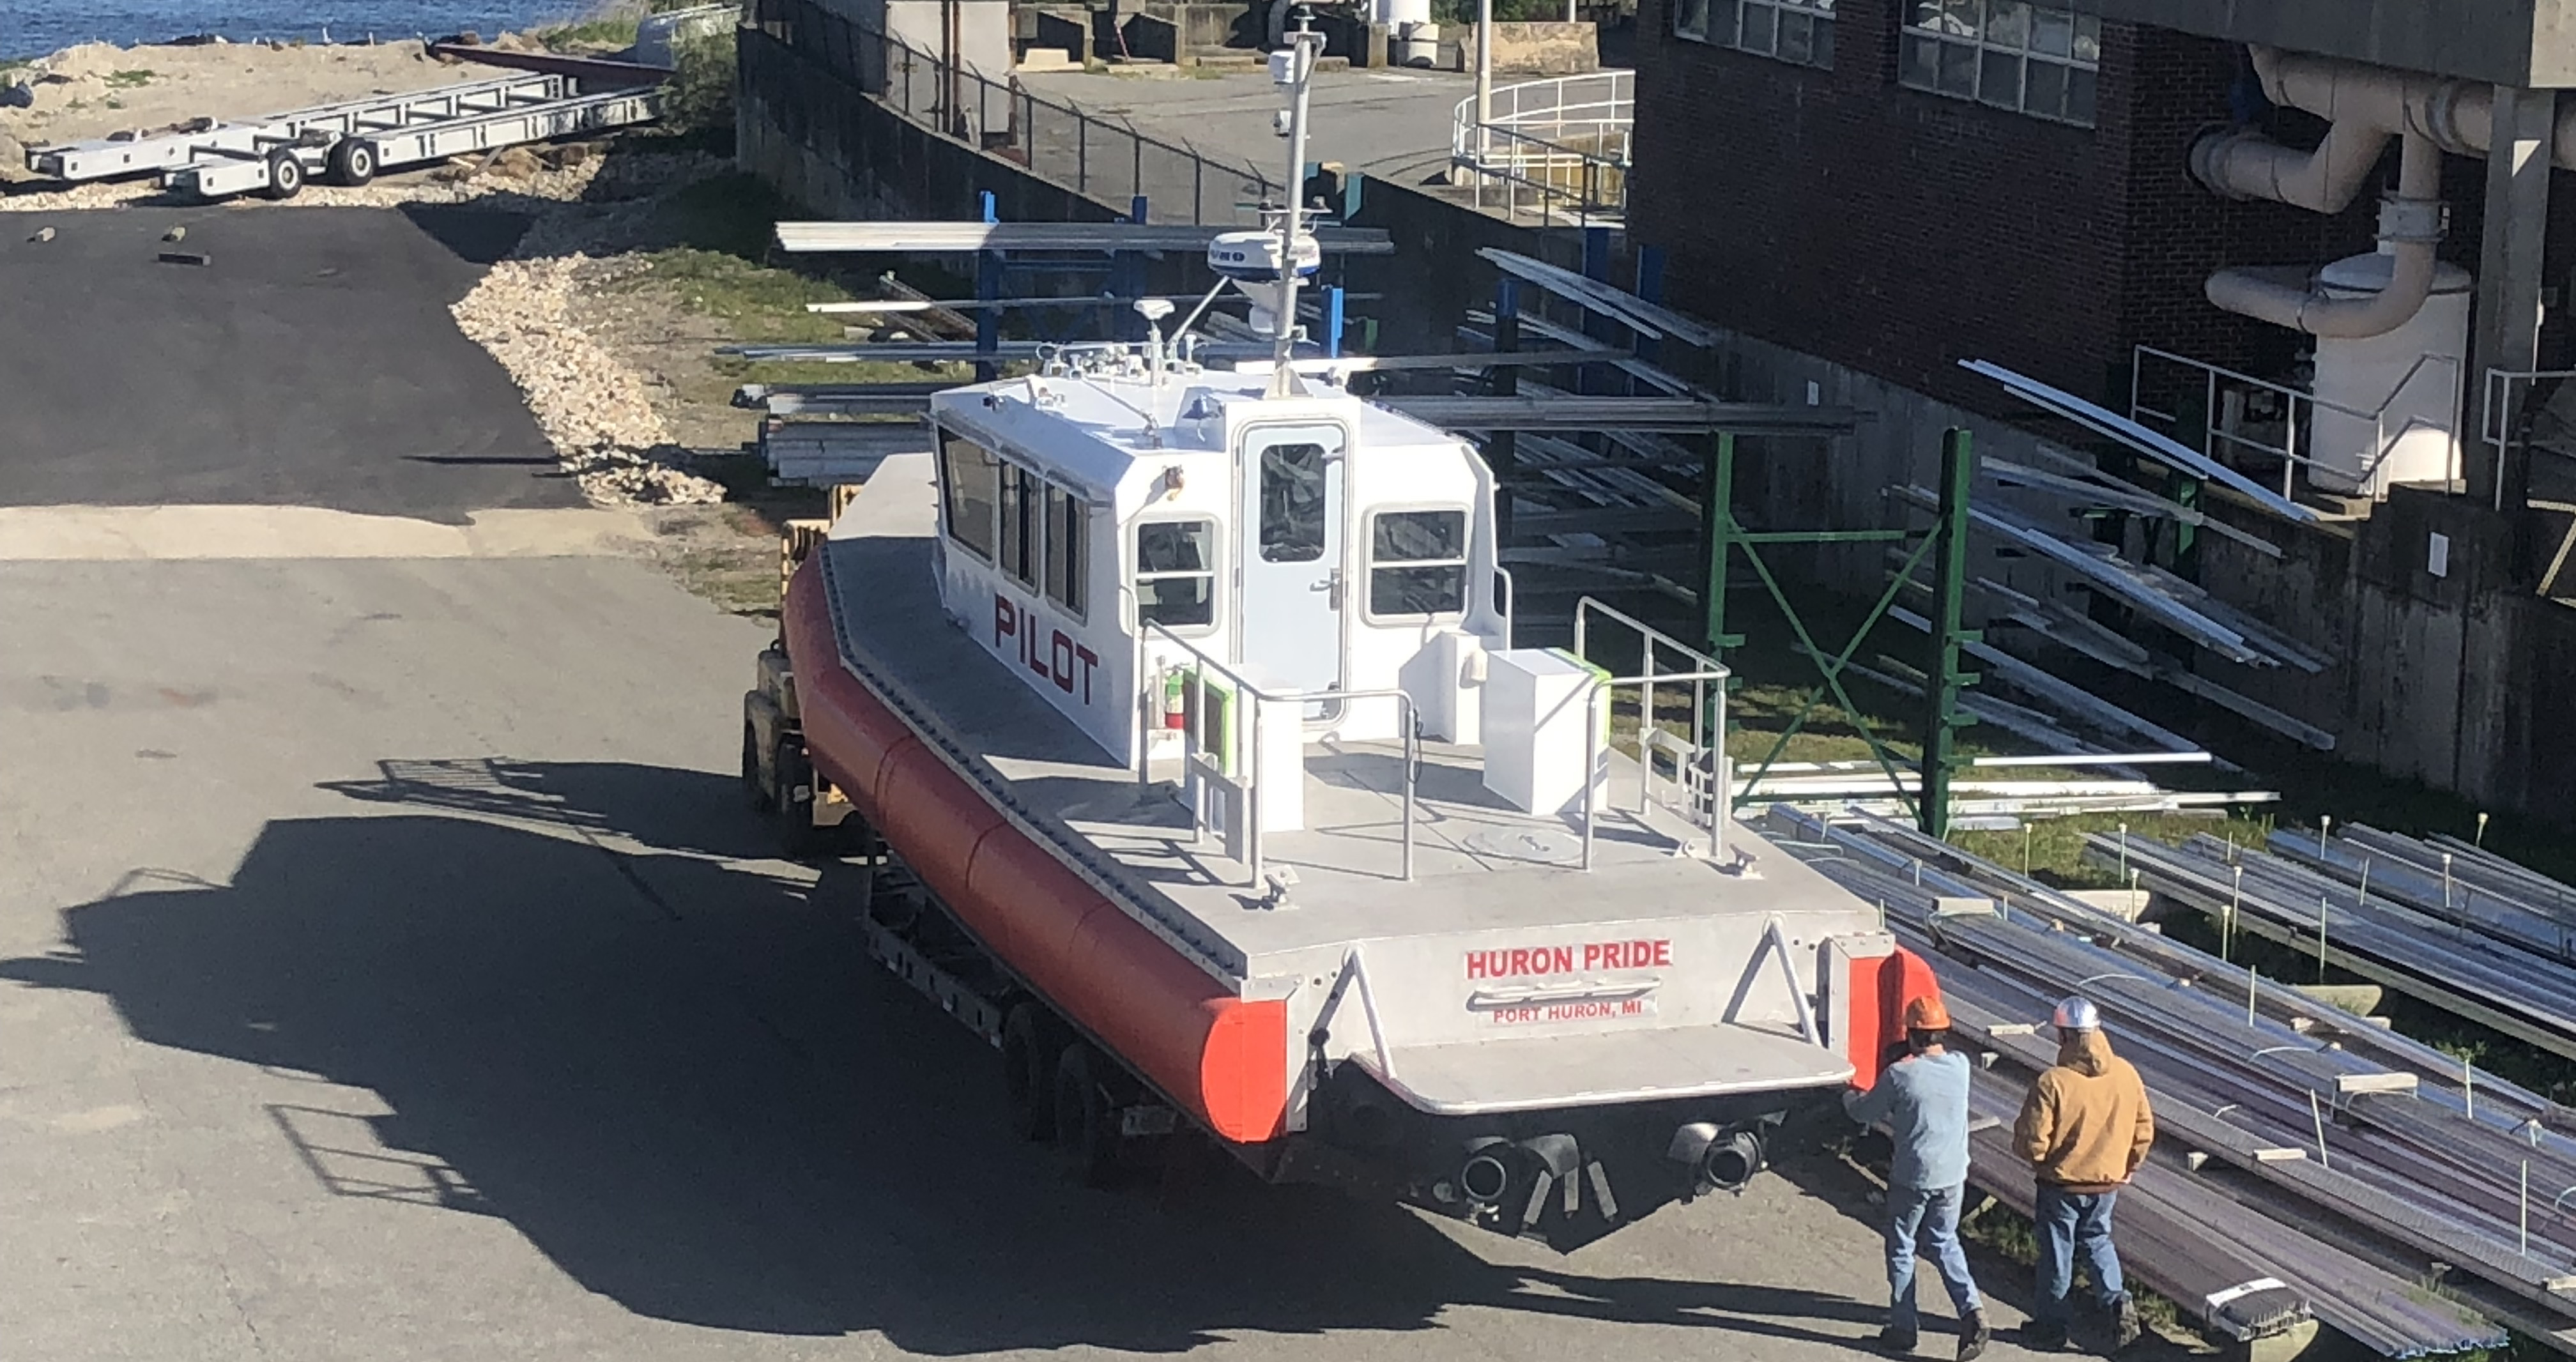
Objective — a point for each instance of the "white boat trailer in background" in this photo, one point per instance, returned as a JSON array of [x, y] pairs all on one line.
[[352, 142]]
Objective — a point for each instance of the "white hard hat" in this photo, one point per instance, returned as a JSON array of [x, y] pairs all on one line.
[[2077, 1014]]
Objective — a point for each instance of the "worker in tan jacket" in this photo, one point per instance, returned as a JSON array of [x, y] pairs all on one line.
[[2085, 1129]]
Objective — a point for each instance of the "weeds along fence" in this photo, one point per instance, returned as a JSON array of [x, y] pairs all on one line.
[[1106, 159]]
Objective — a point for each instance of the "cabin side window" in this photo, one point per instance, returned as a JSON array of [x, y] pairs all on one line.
[[1417, 564], [1292, 503], [1023, 506], [1176, 573], [970, 477], [1068, 550]]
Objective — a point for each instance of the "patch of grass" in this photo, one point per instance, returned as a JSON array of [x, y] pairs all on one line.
[[609, 31], [129, 80], [700, 94], [114, 103], [756, 302]]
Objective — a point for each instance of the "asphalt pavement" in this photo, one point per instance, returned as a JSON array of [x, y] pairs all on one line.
[[309, 361], [1393, 124], [389, 970]]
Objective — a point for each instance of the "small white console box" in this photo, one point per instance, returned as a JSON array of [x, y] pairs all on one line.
[[1537, 705]]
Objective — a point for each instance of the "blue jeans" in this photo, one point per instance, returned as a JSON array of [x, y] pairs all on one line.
[[1934, 1213], [2072, 1223]]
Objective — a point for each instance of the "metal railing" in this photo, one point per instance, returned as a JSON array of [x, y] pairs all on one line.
[[1104, 158], [2227, 398], [1706, 806], [1196, 758], [1558, 148], [2511, 421]]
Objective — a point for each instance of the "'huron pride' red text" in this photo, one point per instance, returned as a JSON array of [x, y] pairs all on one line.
[[1536, 961]]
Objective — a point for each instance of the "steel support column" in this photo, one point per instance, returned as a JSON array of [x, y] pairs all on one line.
[[2510, 279], [1504, 381], [1943, 677]]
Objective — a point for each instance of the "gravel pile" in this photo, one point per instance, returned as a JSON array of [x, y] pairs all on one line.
[[594, 409]]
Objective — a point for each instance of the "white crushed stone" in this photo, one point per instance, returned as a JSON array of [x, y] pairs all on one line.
[[593, 408]]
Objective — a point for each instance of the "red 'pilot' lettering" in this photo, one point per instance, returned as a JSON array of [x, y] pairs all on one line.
[[1059, 658], [1519, 962]]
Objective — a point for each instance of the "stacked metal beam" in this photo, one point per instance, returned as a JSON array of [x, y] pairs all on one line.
[[2451, 962], [2245, 1077], [2447, 879]]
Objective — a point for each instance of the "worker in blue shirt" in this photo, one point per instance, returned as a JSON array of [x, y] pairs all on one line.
[[1922, 1101]]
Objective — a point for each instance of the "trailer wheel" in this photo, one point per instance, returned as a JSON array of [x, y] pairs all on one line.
[[792, 809], [1085, 1123], [285, 174], [1029, 1059], [755, 789], [353, 161]]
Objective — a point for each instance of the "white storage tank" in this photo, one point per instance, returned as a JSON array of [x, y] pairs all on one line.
[[2416, 434]]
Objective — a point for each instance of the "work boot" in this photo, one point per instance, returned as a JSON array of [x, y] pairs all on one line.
[[1972, 1336], [2124, 1322], [1895, 1340]]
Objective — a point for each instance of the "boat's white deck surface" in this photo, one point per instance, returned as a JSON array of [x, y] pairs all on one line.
[[1478, 864]]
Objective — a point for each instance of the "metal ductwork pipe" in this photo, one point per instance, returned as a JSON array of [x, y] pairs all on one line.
[[2364, 106], [2410, 226]]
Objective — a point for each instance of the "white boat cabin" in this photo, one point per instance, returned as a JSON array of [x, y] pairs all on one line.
[[1098, 525]]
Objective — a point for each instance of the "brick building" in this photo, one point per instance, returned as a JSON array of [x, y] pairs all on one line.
[[1895, 185]]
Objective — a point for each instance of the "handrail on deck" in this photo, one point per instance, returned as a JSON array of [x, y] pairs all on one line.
[[1706, 670], [1250, 730]]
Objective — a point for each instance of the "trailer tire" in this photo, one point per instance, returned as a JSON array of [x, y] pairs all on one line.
[[285, 174], [791, 811], [354, 161], [1030, 1053], [755, 786], [1085, 1122]]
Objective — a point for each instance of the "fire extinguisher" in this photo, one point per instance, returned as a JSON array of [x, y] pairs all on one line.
[[1174, 713]]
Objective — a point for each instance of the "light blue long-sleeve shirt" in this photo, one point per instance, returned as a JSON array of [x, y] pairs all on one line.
[[1923, 1102]]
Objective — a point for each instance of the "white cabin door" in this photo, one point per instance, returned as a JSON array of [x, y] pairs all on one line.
[[1291, 601]]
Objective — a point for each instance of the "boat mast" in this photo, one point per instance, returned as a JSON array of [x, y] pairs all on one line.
[[1297, 73]]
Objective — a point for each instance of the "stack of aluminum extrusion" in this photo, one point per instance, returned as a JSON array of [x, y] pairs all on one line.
[[2369, 904], [2241, 1191]]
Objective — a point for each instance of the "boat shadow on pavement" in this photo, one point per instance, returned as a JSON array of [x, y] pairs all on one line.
[[595, 1010]]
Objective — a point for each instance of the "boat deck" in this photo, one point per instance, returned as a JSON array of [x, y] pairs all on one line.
[[1479, 865]]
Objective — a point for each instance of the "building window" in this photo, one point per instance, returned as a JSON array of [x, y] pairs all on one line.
[[971, 478], [1176, 573], [1418, 563], [1800, 31], [2036, 59], [1067, 547]]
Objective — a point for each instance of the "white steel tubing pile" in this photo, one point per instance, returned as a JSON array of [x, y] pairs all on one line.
[[2458, 968], [2454, 882], [2304, 1013], [2250, 1097]]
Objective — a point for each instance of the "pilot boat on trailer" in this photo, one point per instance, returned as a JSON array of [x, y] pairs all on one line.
[[1180, 717]]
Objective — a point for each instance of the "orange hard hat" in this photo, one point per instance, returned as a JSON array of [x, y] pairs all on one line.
[[1927, 1014]]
